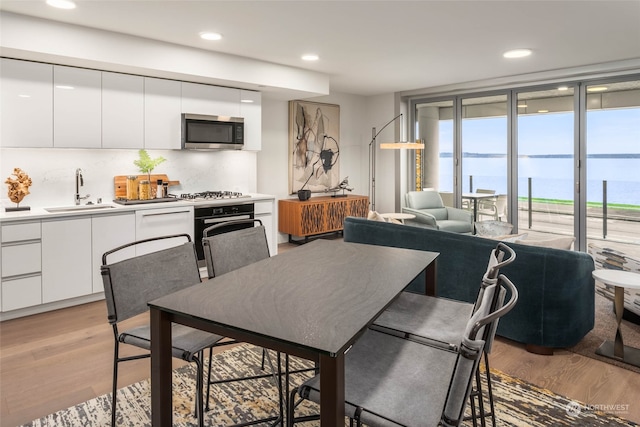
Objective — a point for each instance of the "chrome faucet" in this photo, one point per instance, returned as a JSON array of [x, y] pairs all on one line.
[[79, 183]]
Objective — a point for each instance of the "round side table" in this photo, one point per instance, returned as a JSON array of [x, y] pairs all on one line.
[[400, 216], [619, 279]]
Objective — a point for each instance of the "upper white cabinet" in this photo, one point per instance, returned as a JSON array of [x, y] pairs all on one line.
[[162, 108], [212, 100], [26, 98], [122, 111], [77, 107], [251, 110]]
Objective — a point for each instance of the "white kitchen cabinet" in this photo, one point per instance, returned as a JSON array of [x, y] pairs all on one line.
[[252, 114], [212, 100], [26, 99], [122, 111], [21, 266], [162, 222], [66, 258], [108, 232], [77, 94], [263, 210], [162, 109]]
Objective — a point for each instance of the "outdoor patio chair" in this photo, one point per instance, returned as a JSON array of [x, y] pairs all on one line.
[[397, 381], [131, 283]]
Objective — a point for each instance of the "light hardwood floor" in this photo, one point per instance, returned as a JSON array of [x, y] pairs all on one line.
[[55, 360]]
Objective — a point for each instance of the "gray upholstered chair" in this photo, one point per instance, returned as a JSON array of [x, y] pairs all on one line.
[[228, 246], [429, 210], [395, 381], [131, 283], [441, 322]]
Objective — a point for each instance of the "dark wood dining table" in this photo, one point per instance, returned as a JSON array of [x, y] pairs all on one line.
[[313, 302]]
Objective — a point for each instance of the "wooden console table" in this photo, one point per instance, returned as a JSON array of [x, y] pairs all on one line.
[[318, 215]]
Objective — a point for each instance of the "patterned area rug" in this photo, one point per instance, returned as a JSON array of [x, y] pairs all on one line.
[[605, 329], [517, 403]]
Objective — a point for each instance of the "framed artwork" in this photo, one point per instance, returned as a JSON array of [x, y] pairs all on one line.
[[314, 146]]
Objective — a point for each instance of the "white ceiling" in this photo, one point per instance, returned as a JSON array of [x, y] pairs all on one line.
[[376, 47]]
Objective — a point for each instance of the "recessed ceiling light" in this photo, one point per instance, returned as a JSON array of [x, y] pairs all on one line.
[[64, 87], [522, 105], [596, 89], [24, 95], [563, 88], [310, 57], [517, 53], [62, 4], [247, 101], [543, 111], [210, 36]]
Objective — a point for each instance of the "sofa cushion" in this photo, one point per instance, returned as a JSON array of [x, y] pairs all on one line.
[[423, 200], [556, 243]]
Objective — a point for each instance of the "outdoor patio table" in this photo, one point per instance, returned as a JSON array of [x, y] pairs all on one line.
[[312, 302]]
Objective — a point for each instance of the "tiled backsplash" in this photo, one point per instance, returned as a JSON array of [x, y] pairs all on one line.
[[53, 172]]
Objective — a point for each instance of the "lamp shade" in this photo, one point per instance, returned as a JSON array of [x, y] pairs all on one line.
[[399, 145]]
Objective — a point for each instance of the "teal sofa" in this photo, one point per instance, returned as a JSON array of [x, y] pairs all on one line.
[[556, 304]]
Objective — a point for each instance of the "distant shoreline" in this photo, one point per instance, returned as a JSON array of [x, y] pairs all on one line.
[[546, 156]]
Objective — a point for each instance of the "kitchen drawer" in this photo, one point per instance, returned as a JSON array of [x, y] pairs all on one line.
[[22, 292], [263, 208], [18, 232], [21, 259]]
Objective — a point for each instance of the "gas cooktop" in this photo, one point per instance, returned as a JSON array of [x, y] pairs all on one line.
[[213, 195]]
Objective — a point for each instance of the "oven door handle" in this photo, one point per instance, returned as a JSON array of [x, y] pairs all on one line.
[[225, 219]]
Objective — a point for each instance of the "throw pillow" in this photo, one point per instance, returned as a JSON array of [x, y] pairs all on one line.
[[556, 243], [508, 238], [375, 216], [395, 221]]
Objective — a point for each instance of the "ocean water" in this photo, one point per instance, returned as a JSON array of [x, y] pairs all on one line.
[[551, 178]]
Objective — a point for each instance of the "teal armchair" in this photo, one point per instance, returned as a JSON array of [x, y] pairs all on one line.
[[431, 212]]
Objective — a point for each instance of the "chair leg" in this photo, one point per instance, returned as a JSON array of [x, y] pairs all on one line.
[[199, 389], [490, 390], [114, 390], [291, 407], [209, 379]]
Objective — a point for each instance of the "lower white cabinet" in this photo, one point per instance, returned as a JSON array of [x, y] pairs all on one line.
[[263, 210], [109, 232], [66, 259], [162, 222]]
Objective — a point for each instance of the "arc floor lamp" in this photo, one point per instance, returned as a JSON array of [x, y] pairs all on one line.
[[385, 146]]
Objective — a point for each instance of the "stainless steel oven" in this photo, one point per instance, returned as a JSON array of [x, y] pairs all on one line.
[[206, 216]]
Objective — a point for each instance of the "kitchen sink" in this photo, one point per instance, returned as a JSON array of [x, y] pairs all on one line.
[[78, 208]]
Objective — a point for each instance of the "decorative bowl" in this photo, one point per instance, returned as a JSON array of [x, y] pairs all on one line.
[[493, 228], [304, 195]]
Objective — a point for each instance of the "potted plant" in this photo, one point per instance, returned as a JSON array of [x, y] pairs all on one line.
[[146, 164]]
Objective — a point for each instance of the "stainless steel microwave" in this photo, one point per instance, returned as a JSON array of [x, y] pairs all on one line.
[[203, 132]]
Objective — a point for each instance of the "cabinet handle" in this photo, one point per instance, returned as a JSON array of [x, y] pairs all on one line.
[[20, 242], [21, 276], [165, 213]]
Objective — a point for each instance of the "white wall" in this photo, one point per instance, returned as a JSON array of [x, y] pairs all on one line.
[[53, 172], [357, 116]]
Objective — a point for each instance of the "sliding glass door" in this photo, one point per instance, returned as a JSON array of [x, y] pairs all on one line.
[[435, 164], [546, 162], [613, 165], [484, 152]]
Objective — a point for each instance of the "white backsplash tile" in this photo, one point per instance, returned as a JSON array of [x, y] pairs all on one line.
[[53, 172]]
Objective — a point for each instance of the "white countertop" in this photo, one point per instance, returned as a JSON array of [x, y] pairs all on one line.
[[37, 213]]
